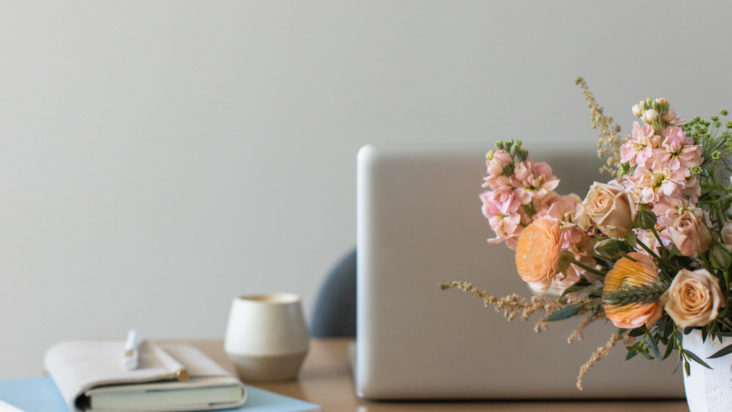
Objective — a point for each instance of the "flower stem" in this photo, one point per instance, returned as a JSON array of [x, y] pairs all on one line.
[[660, 242], [647, 249], [587, 268]]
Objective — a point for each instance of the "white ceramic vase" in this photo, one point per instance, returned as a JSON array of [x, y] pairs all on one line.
[[266, 337], [708, 390]]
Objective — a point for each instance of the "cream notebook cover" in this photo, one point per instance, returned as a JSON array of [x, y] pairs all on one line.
[[90, 376]]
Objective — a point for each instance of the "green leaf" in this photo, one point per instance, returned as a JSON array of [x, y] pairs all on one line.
[[669, 349], [572, 289], [722, 352], [668, 328], [631, 354], [687, 367], [678, 363], [696, 359], [565, 312], [654, 346], [637, 332]]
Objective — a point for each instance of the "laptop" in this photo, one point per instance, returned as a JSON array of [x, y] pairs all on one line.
[[420, 224]]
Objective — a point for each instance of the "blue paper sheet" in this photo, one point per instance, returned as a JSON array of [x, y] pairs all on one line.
[[40, 395]]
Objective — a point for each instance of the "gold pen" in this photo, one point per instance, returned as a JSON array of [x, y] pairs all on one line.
[[179, 370]]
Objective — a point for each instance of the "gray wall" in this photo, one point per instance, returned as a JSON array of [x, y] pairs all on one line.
[[159, 158]]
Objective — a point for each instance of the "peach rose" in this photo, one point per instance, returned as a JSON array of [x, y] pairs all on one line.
[[690, 234], [694, 298], [609, 208], [627, 273], [538, 249]]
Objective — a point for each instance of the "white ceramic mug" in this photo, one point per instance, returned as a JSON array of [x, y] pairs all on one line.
[[266, 337]]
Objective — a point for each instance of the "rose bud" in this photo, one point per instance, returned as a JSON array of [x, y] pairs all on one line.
[[690, 234]]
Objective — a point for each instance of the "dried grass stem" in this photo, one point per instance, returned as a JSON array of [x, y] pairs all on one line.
[[610, 140], [600, 353], [514, 305]]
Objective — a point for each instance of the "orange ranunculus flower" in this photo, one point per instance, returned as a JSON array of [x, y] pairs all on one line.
[[538, 249], [627, 273]]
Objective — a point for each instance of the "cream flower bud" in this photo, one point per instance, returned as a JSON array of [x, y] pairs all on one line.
[[727, 235], [694, 298], [662, 105], [637, 111], [650, 116]]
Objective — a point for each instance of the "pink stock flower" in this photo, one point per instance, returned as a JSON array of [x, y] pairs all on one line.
[[667, 210], [651, 185], [495, 167], [671, 118], [496, 182], [500, 160], [533, 180], [562, 208], [667, 173], [574, 239], [639, 149], [677, 152], [565, 209], [501, 208], [497, 202], [692, 189], [507, 229]]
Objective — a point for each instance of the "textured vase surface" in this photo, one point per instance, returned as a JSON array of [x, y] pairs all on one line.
[[708, 390]]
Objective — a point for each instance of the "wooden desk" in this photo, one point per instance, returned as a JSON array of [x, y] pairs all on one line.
[[326, 380]]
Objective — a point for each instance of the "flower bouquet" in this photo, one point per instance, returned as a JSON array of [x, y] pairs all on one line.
[[649, 250]]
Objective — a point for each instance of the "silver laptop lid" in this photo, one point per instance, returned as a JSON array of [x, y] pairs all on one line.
[[420, 224]]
